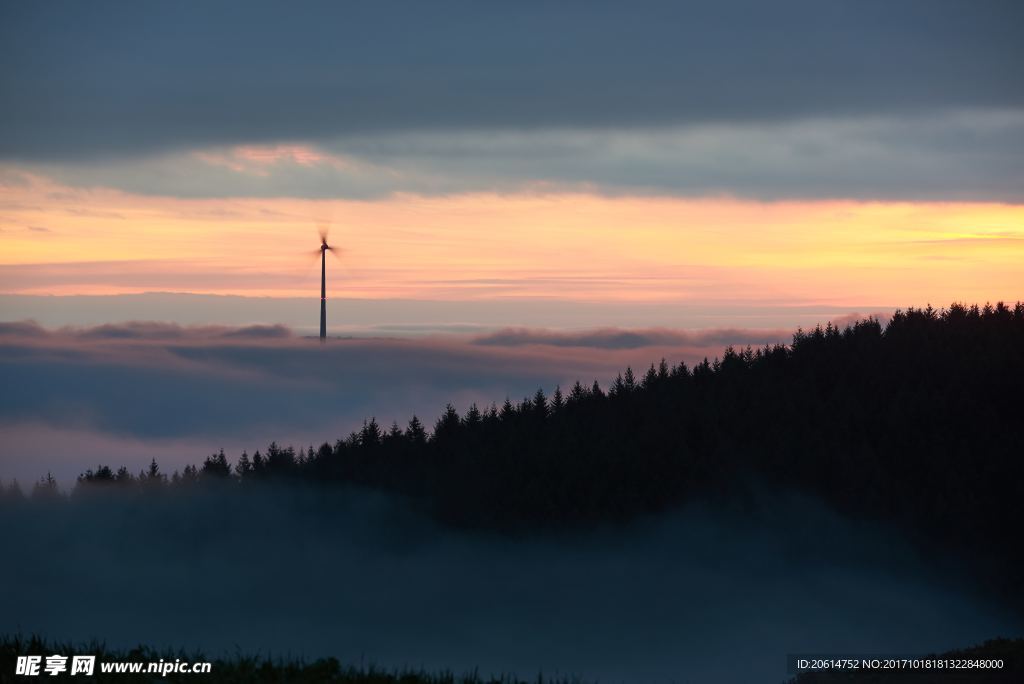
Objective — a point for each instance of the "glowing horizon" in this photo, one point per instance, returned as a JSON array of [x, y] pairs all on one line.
[[470, 246]]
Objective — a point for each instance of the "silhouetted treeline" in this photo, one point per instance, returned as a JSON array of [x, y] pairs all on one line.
[[918, 423]]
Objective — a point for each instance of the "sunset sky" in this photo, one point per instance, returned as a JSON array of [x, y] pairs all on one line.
[[836, 154], [513, 185], [572, 245]]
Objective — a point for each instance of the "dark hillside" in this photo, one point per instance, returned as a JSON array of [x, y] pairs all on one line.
[[918, 424]]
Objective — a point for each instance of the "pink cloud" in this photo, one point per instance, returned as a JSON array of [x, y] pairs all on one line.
[[259, 160]]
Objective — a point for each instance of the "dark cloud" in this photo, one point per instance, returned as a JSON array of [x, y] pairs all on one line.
[[961, 155], [18, 329], [120, 78], [171, 331], [136, 330], [258, 332]]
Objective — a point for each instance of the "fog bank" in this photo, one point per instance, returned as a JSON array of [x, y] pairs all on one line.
[[126, 393], [699, 595]]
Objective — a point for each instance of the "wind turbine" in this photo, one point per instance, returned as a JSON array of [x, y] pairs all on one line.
[[324, 249]]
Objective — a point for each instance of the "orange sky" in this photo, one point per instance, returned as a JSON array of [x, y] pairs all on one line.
[[61, 240]]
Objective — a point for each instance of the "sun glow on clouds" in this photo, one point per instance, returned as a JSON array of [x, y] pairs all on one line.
[[486, 245], [259, 160]]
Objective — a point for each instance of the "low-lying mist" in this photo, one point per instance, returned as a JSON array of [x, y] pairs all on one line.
[[126, 393], [702, 594]]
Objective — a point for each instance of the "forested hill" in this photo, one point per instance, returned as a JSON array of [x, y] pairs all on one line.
[[919, 422]]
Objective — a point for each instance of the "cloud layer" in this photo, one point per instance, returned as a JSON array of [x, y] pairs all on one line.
[[800, 99], [122, 78], [962, 155]]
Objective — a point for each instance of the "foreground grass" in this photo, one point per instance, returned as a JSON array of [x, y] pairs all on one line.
[[240, 668]]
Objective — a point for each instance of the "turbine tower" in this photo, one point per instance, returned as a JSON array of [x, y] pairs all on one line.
[[324, 249]]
